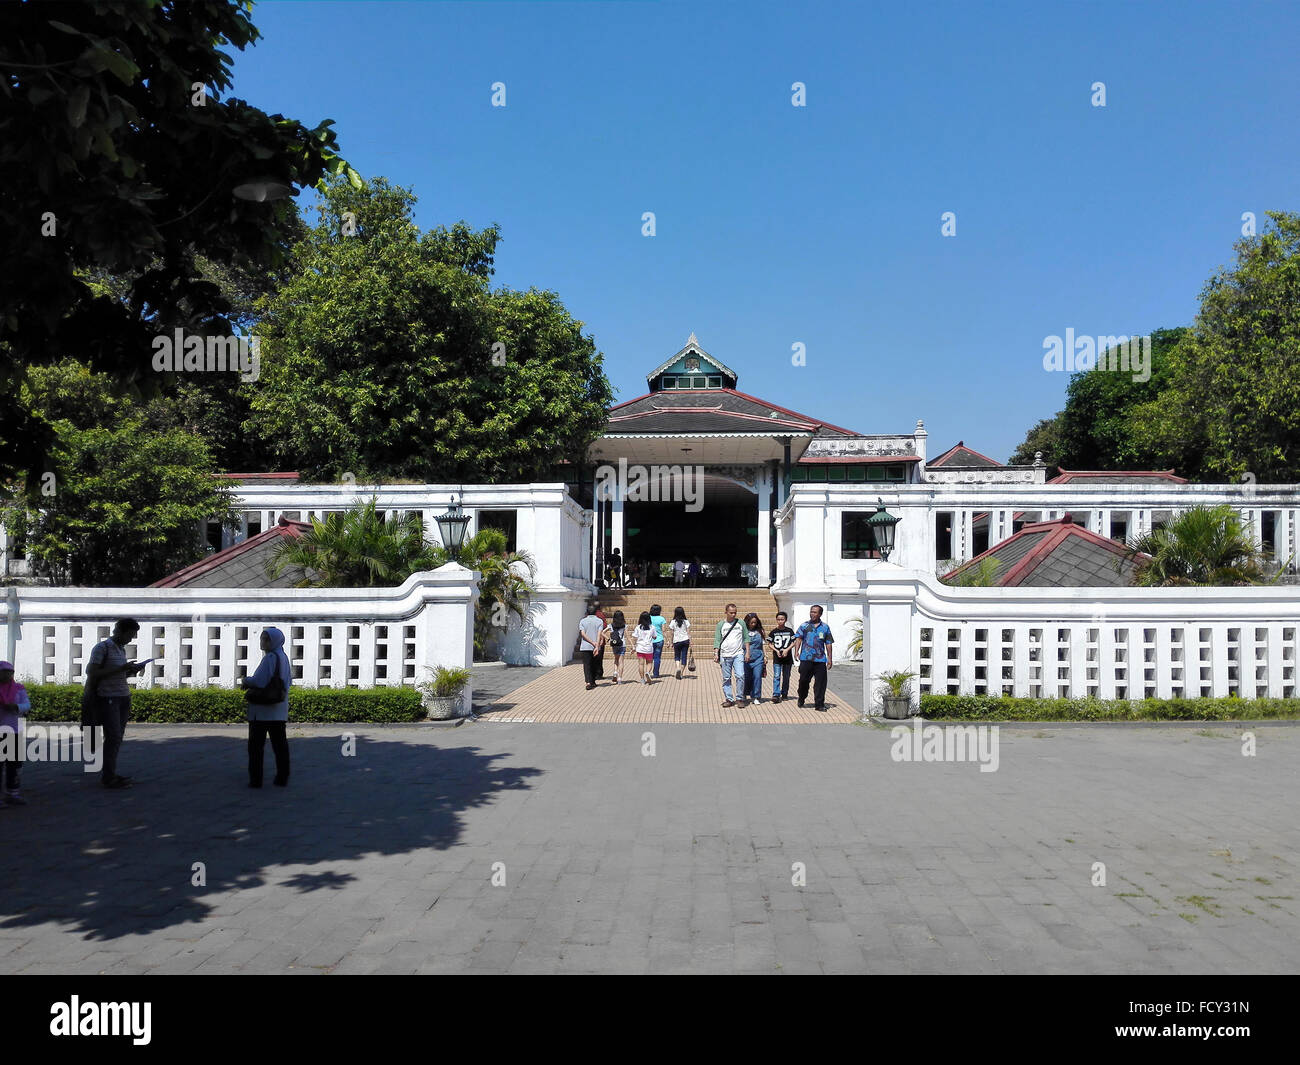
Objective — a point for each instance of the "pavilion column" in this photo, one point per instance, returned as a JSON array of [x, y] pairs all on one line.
[[1104, 524], [967, 535], [764, 481], [616, 525]]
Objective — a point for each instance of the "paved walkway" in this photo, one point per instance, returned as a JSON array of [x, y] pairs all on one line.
[[612, 860], [560, 695]]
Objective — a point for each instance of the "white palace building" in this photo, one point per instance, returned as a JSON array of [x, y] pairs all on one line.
[[781, 503]]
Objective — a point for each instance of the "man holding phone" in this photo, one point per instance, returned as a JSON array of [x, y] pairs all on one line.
[[106, 672]]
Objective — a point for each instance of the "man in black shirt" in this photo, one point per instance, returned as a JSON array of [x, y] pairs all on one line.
[[781, 638]]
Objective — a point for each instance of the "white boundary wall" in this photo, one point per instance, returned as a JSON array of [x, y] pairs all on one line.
[[1125, 643], [335, 637]]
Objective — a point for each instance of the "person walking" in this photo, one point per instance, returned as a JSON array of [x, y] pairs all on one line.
[[14, 706], [657, 619], [616, 568], [633, 573], [644, 638], [754, 663], [616, 636], [680, 629], [598, 659], [108, 705], [812, 643], [782, 639], [590, 630], [729, 652], [266, 699], [679, 572], [693, 573]]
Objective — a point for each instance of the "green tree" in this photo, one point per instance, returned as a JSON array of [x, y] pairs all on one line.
[[122, 500], [115, 162], [1202, 546], [1044, 437], [389, 355], [1233, 402]]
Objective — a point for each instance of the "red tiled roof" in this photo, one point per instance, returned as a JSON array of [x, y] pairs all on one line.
[[811, 422], [1049, 536], [951, 457], [182, 577], [1066, 476]]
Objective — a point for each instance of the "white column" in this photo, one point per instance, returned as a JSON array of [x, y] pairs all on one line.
[[764, 528], [1104, 522], [616, 525]]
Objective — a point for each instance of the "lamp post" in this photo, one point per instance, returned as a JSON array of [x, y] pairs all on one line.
[[452, 527], [882, 525]]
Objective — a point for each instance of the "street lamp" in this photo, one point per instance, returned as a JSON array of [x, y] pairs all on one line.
[[452, 526], [882, 525]]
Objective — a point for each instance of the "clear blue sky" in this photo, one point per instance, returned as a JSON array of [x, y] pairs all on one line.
[[821, 224]]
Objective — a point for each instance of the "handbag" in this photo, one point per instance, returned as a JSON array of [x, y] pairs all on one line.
[[265, 696], [690, 662], [90, 705]]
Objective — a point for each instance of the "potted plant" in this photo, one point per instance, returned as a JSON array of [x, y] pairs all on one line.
[[897, 697], [444, 692]]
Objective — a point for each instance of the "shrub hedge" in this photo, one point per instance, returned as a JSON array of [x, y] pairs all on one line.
[[62, 702], [1008, 708]]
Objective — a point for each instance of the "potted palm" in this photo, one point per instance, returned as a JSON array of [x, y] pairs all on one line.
[[897, 696], [443, 693]]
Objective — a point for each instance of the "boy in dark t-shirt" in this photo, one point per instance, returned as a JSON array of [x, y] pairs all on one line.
[[781, 638]]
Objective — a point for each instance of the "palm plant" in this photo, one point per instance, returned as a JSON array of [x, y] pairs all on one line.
[[855, 641], [984, 574], [503, 587], [1203, 546], [358, 548]]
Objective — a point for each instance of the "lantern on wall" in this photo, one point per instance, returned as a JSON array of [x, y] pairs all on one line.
[[882, 525], [452, 527]]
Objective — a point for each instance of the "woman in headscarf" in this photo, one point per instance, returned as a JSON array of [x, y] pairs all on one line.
[[14, 704], [267, 700]]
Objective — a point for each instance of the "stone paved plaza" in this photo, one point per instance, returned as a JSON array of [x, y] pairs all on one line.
[[681, 862]]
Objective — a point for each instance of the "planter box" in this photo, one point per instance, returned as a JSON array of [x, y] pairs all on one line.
[[897, 707], [443, 708]]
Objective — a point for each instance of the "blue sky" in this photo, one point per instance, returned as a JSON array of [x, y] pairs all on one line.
[[821, 224]]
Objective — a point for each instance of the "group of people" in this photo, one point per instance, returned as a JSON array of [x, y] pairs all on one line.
[[621, 573], [741, 650], [106, 708]]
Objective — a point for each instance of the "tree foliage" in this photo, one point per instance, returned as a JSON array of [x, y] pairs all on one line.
[[122, 499], [1201, 546], [388, 354], [121, 156]]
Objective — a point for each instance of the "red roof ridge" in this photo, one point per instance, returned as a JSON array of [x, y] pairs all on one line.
[[283, 527], [1057, 530], [960, 444], [1064, 476]]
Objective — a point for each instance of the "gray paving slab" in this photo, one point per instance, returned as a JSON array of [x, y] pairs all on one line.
[[607, 861]]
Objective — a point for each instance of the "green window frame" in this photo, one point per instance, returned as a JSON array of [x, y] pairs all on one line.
[[668, 382], [715, 382]]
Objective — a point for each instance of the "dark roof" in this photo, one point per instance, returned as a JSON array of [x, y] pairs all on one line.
[[1056, 554], [712, 410], [241, 565], [961, 455], [261, 478], [1117, 476]]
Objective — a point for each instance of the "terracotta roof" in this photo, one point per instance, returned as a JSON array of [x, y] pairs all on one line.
[[961, 455], [241, 565], [1056, 554], [1117, 476]]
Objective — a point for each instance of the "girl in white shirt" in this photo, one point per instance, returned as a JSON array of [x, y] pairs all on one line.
[[644, 636], [681, 630]]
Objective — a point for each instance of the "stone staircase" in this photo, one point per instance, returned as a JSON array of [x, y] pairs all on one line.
[[704, 607]]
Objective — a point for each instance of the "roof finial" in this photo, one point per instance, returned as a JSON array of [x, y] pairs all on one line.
[[692, 342]]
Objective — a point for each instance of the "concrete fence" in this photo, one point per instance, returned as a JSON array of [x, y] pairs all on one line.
[[1112, 643], [335, 637]]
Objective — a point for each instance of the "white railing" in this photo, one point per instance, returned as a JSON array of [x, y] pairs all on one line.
[[335, 637], [1112, 643]]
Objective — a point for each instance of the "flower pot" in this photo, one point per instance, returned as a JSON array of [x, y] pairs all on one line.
[[443, 707], [897, 707]]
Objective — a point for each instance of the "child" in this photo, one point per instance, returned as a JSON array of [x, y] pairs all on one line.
[[13, 705], [616, 633], [753, 659], [644, 635]]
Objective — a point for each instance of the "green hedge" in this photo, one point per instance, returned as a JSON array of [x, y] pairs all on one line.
[[62, 702], [1007, 708]]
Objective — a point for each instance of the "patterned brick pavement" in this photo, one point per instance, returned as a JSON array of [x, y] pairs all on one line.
[[561, 696]]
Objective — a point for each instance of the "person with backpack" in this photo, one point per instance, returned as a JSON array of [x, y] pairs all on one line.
[[266, 698], [680, 629], [729, 652], [616, 637], [782, 640]]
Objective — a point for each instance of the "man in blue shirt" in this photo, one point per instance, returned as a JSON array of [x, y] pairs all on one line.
[[812, 646]]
